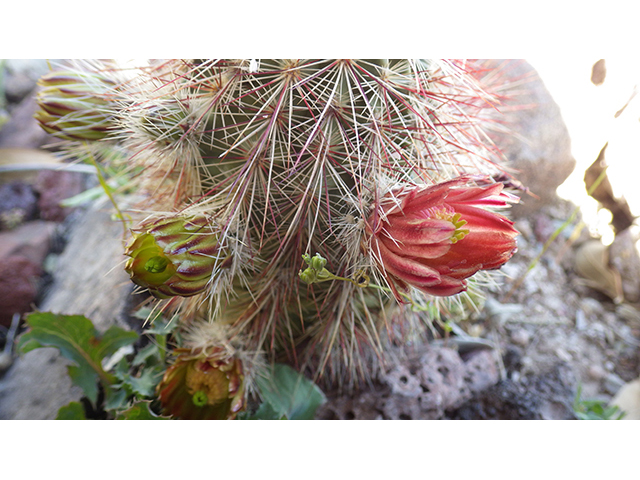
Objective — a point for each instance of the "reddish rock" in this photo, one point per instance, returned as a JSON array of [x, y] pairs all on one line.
[[18, 286], [55, 186], [22, 252], [31, 240]]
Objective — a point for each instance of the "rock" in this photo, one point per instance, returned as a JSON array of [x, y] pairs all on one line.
[[22, 130], [613, 383], [363, 406], [31, 240], [500, 313], [581, 320], [520, 336], [624, 258], [598, 72], [37, 384], [18, 286], [422, 387], [85, 273], [537, 144], [21, 77], [596, 372], [22, 253], [55, 186], [548, 396], [628, 400], [6, 360], [18, 204], [37, 388]]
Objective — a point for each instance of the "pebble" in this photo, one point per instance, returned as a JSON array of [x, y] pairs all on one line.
[[613, 383], [596, 372], [564, 355], [591, 306], [581, 320], [502, 312], [521, 337]]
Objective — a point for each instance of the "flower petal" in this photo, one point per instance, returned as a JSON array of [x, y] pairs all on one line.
[[406, 269], [475, 195], [418, 231], [421, 198], [428, 250], [448, 286]]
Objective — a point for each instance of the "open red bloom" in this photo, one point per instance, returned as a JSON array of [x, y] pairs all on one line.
[[433, 238]]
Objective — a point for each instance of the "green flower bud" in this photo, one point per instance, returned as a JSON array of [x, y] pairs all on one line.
[[175, 256], [75, 106], [307, 275], [318, 262]]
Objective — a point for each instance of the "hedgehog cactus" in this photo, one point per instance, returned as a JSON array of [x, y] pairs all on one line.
[[314, 160]]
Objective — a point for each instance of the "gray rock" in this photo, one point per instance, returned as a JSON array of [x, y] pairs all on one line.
[[86, 283], [21, 77], [423, 387], [22, 130], [613, 383], [548, 396], [623, 257], [537, 143]]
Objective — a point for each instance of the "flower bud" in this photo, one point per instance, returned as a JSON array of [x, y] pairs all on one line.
[[434, 238], [75, 106], [175, 256], [201, 386]]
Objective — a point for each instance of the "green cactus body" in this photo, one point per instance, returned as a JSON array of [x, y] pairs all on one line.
[[292, 157]]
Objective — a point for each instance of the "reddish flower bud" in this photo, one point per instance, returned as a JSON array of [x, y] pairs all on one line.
[[203, 386], [76, 106], [175, 256], [433, 238]]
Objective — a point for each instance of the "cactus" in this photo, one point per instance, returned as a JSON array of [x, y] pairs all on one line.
[[304, 167]]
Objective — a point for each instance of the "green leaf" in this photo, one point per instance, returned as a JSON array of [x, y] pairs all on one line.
[[139, 411], [115, 399], [266, 412], [289, 393], [86, 379], [73, 411], [79, 341], [160, 326], [145, 384], [149, 355]]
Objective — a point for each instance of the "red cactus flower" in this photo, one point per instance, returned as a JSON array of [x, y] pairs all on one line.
[[433, 238]]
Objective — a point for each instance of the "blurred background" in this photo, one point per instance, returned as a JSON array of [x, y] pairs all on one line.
[[598, 103]]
